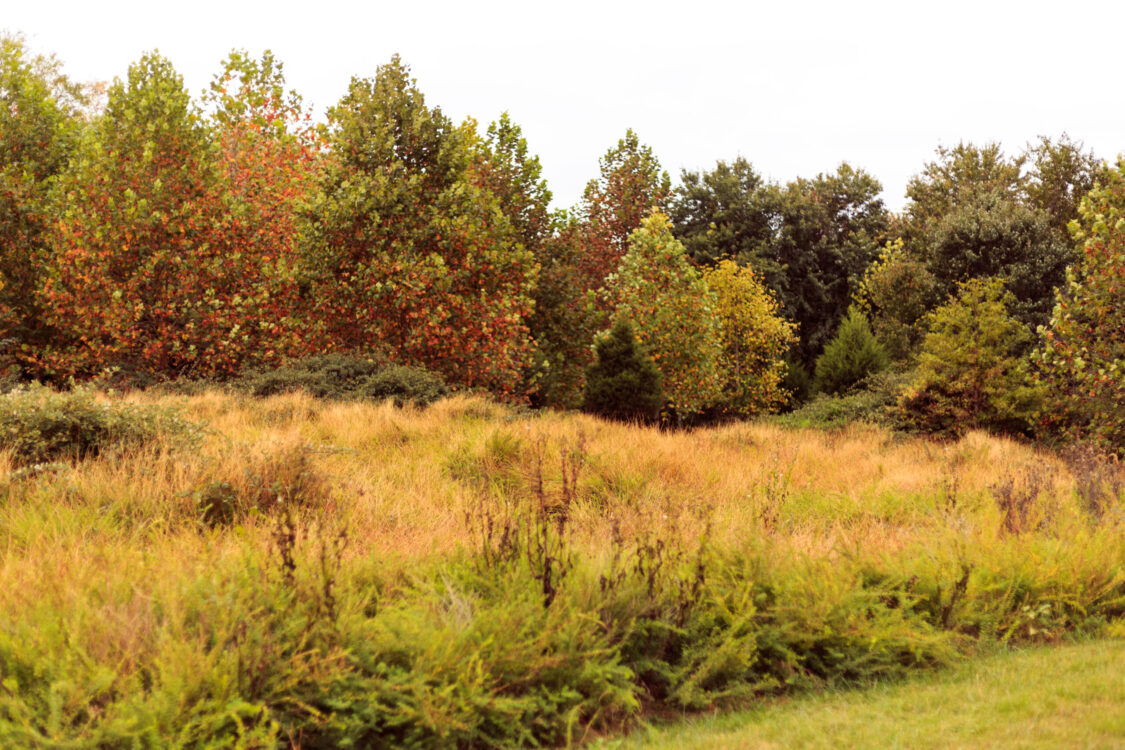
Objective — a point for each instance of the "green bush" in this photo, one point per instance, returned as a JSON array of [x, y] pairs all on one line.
[[340, 376], [872, 400], [971, 373], [324, 376], [798, 382], [405, 385], [39, 424], [623, 382], [850, 356]]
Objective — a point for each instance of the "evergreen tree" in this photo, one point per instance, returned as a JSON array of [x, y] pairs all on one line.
[[623, 382], [850, 356]]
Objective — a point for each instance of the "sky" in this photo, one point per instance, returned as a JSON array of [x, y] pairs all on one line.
[[794, 87]]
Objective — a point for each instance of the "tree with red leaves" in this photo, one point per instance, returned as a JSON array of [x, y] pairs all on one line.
[[39, 124], [175, 253]]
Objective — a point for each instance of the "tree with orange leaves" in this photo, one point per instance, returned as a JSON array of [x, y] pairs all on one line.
[[175, 252]]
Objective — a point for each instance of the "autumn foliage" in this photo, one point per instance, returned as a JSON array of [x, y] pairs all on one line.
[[673, 312], [755, 339], [173, 255], [1082, 357], [158, 236]]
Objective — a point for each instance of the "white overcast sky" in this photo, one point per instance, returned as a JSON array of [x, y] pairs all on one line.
[[795, 87]]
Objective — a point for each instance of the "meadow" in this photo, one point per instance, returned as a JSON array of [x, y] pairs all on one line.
[[295, 572]]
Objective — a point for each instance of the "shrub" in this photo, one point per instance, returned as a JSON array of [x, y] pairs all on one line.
[[623, 382], [324, 376], [39, 425], [798, 381], [285, 478], [341, 376], [849, 357], [970, 372], [871, 400], [404, 384]]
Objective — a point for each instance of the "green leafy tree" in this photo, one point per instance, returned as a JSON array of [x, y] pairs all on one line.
[[721, 215], [897, 292], [852, 355], [506, 168], [992, 235], [622, 382], [673, 310], [755, 340], [408, 250], [971, 371], [1081, 357], [828, 231], [39, 126], [956, 177], [1060, 173]]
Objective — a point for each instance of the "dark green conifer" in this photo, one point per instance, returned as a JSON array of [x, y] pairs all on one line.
[[849, 357], [623, 382]]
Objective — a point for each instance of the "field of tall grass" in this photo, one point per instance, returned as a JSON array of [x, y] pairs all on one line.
[[302, 573]]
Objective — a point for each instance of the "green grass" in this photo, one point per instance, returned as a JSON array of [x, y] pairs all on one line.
[[1070, 696]]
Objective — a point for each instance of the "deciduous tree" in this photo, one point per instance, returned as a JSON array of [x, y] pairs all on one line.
[[407, 252], [755, 340], [39, 125], [673, 312], [1081, 357], [972, 372], [720, 215], [174, 254], [829, 229]]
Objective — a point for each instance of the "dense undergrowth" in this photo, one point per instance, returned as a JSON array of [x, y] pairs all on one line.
[[332, 574]]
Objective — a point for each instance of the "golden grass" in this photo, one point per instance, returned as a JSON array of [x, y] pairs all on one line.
[[403, 481]]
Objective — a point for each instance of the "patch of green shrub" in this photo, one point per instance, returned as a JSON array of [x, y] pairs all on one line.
[[405, 385], [623, 382], [337, 376], [40, 425], [523, 641], [872, 400], [341, 376]]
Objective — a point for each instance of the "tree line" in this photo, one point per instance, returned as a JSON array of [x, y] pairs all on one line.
[[163, 236]]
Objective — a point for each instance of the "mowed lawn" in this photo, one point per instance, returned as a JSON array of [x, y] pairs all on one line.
[[1070, 696]]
